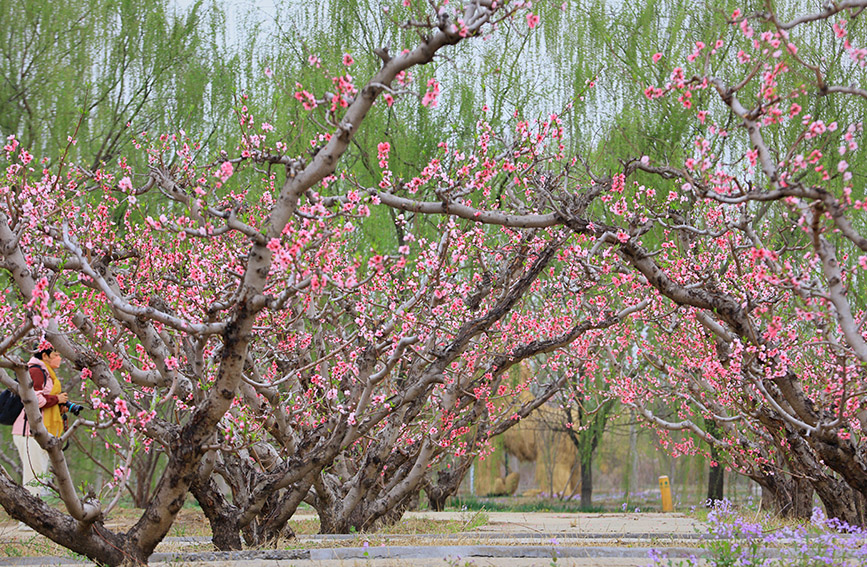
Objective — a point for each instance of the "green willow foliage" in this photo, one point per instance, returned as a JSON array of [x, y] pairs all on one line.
[[164, 66], [97, 66]]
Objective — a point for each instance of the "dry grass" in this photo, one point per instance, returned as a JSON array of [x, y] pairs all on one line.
[[191, 523], [407, 526]]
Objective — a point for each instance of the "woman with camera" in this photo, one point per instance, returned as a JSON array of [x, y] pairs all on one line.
[[34, 459]]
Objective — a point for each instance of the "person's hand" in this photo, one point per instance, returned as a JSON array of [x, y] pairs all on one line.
[[62, 398]]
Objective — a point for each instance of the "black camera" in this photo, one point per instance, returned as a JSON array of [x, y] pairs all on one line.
[[73, 407]]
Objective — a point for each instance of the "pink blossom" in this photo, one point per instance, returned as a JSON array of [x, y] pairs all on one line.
[[121, 409], [382, 149], [347, 59], [375, 263], [125, 184], [13, 143], [307, 100], [226, 171], [817, 128], [656, 57], [430, 97], [532, 20]]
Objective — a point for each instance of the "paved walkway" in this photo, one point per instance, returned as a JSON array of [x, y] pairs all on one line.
[[508, 540]]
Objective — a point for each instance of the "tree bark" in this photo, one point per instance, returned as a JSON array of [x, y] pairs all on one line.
[[769, 499], [222, 515], [716, 472], [587, 482], [275, 522], [802, 499], [91, 540], [715, 480], [447, 484]]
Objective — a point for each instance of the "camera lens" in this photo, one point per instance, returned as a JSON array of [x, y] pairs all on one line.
[[73, 407]]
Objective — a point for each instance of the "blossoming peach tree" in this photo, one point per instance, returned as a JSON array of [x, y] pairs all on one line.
[[768, 274], [221, 314], [749, 244]]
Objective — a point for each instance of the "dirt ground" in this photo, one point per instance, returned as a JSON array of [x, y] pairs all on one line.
[[505, 540]]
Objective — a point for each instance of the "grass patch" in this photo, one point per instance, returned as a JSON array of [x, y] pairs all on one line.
[[511, 504], [468, 521]]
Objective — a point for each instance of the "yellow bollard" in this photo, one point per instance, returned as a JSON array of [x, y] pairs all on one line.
[[665, 488]]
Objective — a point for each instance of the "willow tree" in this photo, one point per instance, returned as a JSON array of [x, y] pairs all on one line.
[[102, 72]]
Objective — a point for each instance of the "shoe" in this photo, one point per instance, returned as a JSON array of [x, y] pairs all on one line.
[[22, 527]]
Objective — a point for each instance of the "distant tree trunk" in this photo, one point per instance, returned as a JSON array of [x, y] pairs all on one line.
[[587, 482], [715, 480], [632, 459], [716, 472], [447, 484], [145, 468], [437, 502], [586, 443]]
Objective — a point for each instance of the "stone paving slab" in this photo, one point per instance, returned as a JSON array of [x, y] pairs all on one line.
[[507, 556], [551, 522]]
